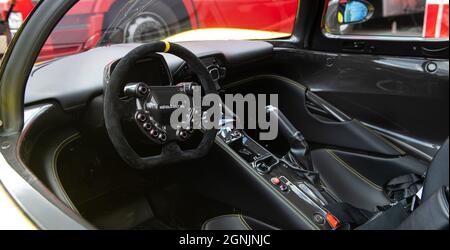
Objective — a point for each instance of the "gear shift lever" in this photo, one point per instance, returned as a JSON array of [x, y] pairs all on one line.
[[299, 152]]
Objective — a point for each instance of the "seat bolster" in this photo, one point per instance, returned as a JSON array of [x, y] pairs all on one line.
[[437, 175], [235, 222], [347, 183]]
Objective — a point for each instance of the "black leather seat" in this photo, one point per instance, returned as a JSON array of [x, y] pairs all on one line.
[[431, 214], [359, 179], [437, 175]]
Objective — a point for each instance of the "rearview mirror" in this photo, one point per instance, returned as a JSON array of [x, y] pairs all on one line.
[[354, 11]]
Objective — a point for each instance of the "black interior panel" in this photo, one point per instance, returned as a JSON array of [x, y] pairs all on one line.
[[73, 80], [292, 101], [396, 94]]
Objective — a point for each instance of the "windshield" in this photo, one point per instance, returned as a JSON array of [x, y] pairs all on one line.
[[94, 23]]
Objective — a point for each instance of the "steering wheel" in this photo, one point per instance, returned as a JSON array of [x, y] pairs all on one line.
[[149, 106]]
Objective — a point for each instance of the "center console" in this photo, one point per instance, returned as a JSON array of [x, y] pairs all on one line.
[[288, 178]]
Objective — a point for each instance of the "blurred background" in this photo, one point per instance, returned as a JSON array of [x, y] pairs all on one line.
[[92, 23]]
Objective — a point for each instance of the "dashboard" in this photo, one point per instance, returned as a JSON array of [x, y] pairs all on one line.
[[72, 81], [152, 70]]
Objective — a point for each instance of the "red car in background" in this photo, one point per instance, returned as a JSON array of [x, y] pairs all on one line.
[[89, 21], [15, 12], [86, 23]]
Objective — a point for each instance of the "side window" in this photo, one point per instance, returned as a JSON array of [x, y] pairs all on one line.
[[424, 19]]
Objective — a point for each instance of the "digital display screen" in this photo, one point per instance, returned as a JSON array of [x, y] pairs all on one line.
[[150, 71]]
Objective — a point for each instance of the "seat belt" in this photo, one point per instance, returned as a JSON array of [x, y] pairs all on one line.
[[403, 191], [403, 187]]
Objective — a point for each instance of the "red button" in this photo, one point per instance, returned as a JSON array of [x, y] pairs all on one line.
[[275, 181], [333, 221]]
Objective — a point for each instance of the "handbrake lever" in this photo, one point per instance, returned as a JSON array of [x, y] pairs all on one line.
[[299, 147]]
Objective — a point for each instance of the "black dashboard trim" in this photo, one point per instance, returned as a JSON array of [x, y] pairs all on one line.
[[73, 80]]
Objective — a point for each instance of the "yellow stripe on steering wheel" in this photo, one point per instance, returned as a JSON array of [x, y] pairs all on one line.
[[167, 46]]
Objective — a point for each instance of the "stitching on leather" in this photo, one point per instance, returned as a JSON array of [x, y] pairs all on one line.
[[245, 222], [353, 171], [389, 143], [224, 215], [55, 169], [376, 134], [239, 216]]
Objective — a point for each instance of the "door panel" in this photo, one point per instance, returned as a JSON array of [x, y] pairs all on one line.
[[398, 96]]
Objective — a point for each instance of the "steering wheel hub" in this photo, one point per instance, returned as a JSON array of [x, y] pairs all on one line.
[[154, 110]]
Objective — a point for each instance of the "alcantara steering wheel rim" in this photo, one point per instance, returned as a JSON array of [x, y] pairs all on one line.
[[115, 107]]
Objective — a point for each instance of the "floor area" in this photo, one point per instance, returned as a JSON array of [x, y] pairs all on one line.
[[111, 195]]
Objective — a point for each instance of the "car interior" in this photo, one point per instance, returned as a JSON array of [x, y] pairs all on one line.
[[233, 185], [360, 136]]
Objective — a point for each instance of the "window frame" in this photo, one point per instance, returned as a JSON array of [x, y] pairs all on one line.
[[383, 45]]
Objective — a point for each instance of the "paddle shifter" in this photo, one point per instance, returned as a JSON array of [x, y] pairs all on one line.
[[299, 152]]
